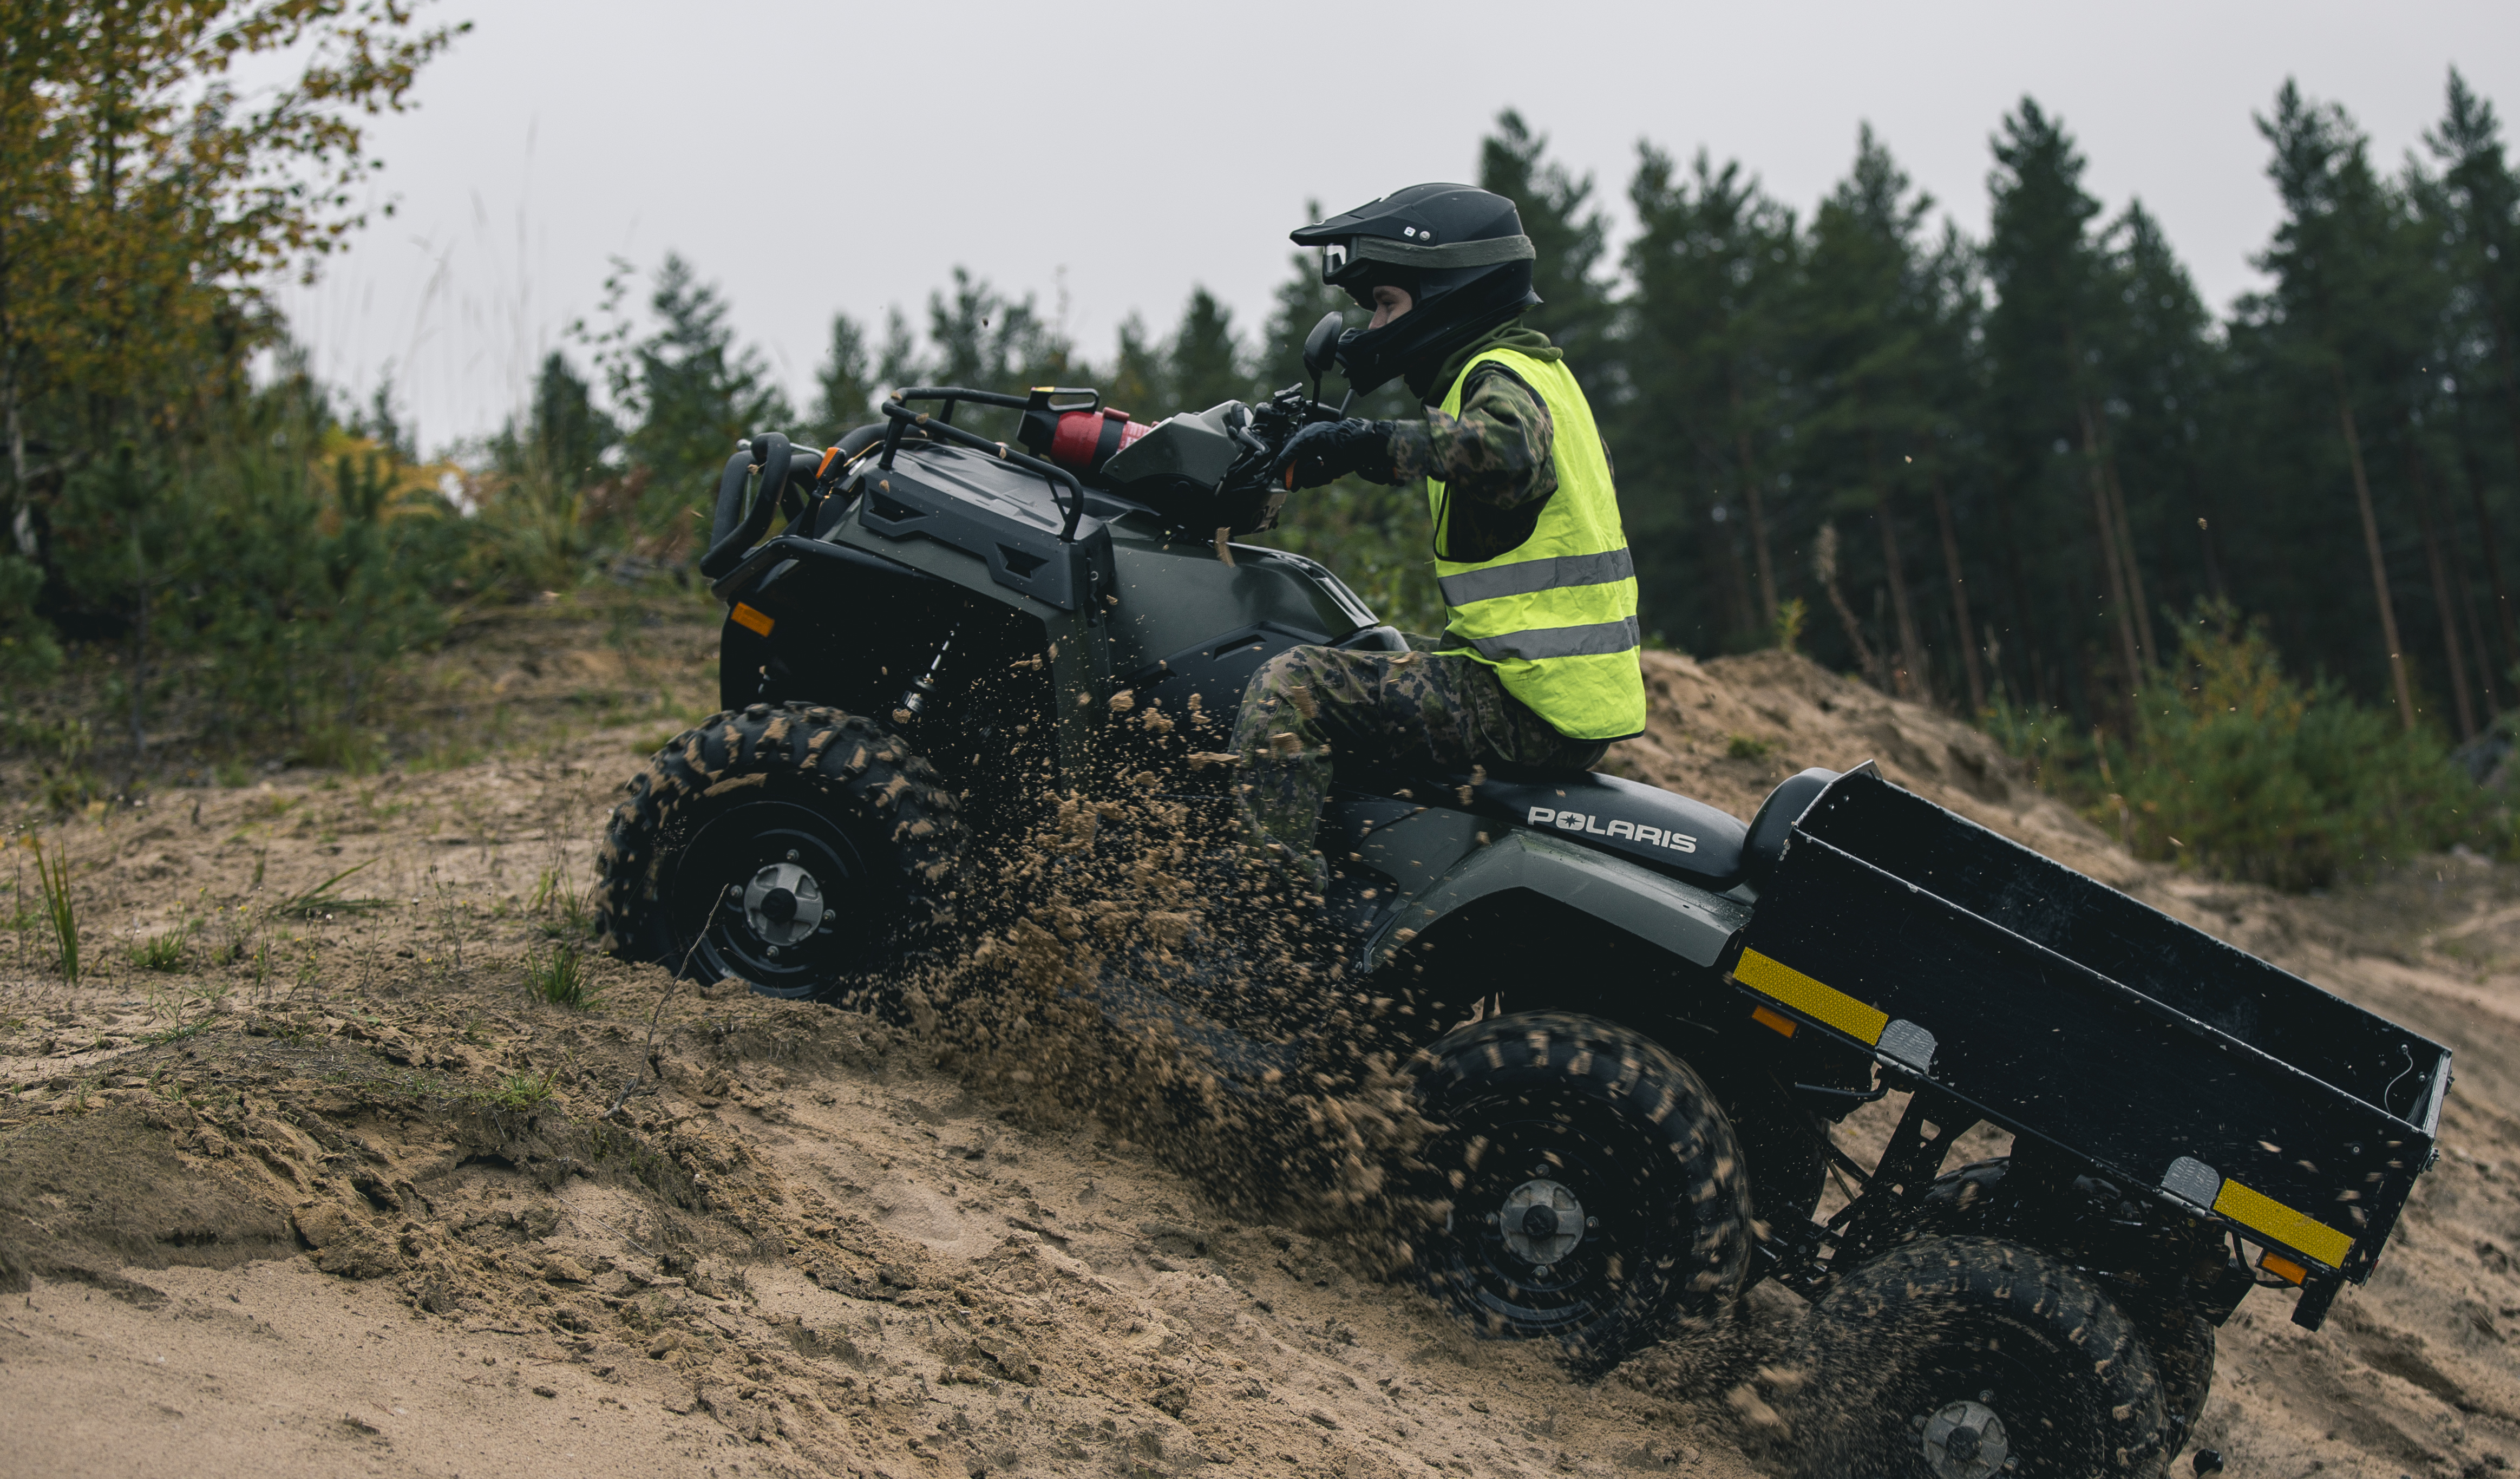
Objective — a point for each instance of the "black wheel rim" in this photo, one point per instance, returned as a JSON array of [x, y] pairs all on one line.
[[725, 933], [1613, 1172]]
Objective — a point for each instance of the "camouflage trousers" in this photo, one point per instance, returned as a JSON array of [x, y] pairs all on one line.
[[1417, 709]]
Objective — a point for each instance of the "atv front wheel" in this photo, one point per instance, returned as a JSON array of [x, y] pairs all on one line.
[[793, 848], [1965, 1358], [1596, 1190]]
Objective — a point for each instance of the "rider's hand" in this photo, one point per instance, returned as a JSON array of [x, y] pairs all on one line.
[[1325, 451]]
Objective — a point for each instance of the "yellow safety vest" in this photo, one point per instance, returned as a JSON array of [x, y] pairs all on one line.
[[1556, 614]]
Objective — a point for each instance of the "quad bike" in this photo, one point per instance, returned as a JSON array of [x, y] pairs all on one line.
[[1667, 1010]]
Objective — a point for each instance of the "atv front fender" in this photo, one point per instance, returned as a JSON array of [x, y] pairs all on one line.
[[1690, 922]]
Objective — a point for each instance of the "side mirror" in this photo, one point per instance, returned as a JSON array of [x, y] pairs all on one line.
[[1322, 344]]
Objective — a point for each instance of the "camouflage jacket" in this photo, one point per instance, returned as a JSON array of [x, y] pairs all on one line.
[[1495, 457]]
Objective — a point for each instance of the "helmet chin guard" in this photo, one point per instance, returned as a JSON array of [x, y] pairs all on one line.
[[1459, 249]]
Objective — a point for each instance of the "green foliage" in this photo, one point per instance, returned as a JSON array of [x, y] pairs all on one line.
[[845, 390], [28, 654], [2236, 768], [689, 391], [538, 501], [308, 565]]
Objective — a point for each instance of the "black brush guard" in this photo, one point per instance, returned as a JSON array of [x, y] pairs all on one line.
[[2004, 987]]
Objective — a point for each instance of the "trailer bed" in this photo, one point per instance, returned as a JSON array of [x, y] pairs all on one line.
[[2059, 1007]]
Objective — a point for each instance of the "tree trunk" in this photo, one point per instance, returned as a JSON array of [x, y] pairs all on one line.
[[2134, 564], [22, 510], [2476, 643], [1751, 504], [2475, 469], [1960, 588], [1911, 672], [2442, 603], [139, 651], [2035, 686], [2371, 546], [2103, 521], [1825, 566], [1732, 602]]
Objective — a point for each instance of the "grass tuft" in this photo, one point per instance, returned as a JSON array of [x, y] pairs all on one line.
[[54, 874], [161, 952], [565, 911], [560, 978], [519, 1091], [325, 898]]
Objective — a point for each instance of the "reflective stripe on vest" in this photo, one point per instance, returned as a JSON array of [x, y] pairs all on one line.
[[1556, 614]]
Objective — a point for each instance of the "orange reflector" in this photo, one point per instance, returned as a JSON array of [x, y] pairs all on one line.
[[825, 466], [751, 620], [1773, 1021], [2283, 1267]]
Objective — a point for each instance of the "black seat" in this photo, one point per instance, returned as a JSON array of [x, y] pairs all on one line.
[[1645, 824]]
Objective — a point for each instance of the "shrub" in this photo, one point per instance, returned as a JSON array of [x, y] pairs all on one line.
[[2236, 767]]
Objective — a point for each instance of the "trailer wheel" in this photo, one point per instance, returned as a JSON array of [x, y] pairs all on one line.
[[1592, 1188], [2183, 1352], [792, 848], [1963, 1357]]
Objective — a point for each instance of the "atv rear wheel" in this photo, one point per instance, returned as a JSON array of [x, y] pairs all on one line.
[[1965, 1358], [793, 848], [1595, 1188]]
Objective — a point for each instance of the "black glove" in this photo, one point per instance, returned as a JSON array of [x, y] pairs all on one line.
[[1325, 451]]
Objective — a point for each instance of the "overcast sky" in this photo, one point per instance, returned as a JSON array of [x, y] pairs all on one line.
[[813, 158]]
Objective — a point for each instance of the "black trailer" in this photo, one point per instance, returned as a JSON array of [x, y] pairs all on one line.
[[2000, 986]]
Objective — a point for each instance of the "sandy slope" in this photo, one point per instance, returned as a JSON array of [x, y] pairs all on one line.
[[297, 1232]]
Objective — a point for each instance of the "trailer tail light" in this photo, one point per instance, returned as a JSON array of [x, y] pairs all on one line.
[[2283, 1267]]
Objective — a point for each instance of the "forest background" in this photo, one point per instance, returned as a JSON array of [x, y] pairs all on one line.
[[2031, 478]]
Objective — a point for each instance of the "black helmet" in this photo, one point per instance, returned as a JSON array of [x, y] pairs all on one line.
[[1460, 252]]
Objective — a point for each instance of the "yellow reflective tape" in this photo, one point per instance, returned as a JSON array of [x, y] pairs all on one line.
[[2261, 1212], [1822, 1003]]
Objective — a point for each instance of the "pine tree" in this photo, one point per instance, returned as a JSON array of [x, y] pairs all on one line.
[[696, 394], [1867, 302], [1569, 235], [2336, 317], [2051, 283], [1137, 379], [2475, 206], [1204, 362], [844, 384], [1715, 265]]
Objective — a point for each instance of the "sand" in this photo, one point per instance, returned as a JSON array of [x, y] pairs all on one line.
[[344, 1199]]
